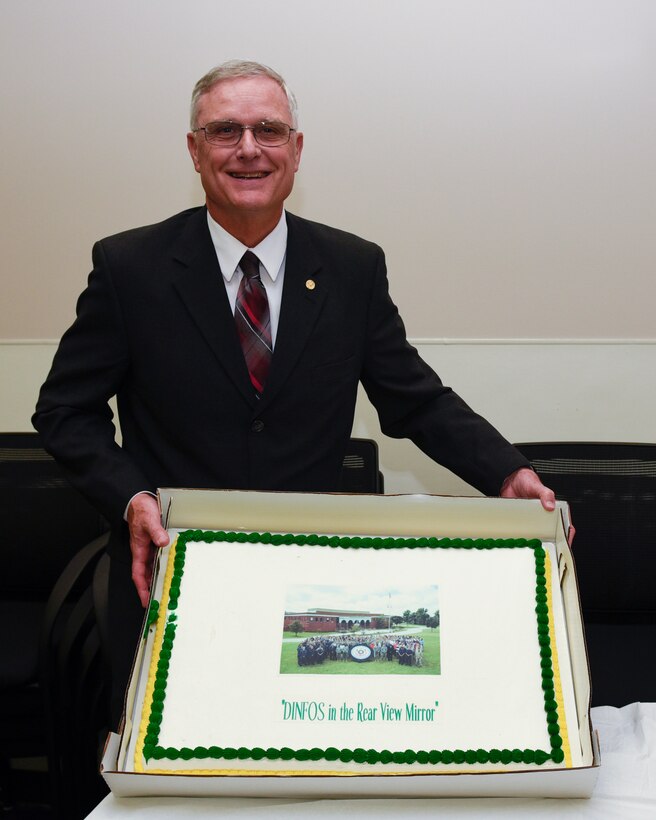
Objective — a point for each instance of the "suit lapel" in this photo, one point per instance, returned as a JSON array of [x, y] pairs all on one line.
[[304, 290], [200, 286]]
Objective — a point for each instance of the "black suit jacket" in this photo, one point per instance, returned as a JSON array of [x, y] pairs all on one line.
[[154, 328]]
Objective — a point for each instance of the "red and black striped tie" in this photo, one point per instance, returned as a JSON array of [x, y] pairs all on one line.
[[253, 321]]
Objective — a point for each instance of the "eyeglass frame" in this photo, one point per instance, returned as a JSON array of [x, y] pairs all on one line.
[[246, 128]]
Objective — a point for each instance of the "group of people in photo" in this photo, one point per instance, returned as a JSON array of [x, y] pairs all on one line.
[[407, 650]]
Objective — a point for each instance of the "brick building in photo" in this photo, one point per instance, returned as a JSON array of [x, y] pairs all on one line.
[[335, 620]]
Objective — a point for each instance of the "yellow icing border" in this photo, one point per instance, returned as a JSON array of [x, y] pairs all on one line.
[[271, 773], [558, 688], [157, 646]]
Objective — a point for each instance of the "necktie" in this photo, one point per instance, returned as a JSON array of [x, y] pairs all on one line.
[[253, 321]]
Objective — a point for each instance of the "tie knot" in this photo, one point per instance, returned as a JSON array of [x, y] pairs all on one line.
[[250, 265]]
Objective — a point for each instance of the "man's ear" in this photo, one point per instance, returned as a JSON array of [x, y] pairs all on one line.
[[192, 147], [299, 149]]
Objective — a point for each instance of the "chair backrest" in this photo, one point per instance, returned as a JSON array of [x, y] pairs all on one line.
[[611, 490], [75, 680], [360, 471], [44, 521]]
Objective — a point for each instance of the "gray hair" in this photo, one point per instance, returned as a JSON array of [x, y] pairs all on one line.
[[233, 69]]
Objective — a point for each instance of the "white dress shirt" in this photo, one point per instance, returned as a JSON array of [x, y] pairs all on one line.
[[271, 252]]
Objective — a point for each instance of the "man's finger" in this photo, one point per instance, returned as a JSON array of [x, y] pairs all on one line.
[[146, 533]]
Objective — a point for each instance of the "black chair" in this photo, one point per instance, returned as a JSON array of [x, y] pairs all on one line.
[[75, 681], [44, 522], [360, 472], [611, 490]]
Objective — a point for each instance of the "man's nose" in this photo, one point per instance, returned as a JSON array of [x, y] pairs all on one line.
[[248, 145]]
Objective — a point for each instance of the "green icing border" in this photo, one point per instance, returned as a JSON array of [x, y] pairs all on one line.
[[152, 749]]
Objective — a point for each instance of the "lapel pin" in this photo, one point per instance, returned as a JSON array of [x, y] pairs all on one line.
[[310, 284]]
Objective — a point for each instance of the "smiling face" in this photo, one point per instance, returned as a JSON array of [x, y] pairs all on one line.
[[245, 184]]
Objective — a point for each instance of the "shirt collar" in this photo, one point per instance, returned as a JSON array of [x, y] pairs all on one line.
[[271, 250]]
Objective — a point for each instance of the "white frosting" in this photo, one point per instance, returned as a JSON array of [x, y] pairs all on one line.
[[225, 688]]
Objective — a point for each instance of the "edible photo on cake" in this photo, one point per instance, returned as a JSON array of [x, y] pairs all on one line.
[[355, 630]]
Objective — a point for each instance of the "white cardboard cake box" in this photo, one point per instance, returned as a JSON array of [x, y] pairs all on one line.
[[406, 515]]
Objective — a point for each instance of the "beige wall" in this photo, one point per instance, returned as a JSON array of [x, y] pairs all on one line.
[[513, 187]]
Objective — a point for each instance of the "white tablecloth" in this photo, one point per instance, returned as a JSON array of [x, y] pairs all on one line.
[[625, 790]]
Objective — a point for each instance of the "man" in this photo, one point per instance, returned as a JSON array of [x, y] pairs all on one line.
[[160, 326]]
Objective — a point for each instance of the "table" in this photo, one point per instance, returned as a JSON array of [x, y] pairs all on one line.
[[625, 790]]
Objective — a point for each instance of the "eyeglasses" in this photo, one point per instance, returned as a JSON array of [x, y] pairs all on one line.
[[226, 132]]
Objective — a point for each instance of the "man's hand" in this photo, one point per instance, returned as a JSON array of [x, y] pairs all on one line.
[[146, 534], [524, 483]]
